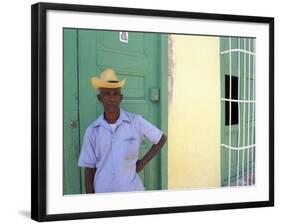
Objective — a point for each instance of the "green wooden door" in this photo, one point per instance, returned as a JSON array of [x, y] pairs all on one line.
[[138, 61]]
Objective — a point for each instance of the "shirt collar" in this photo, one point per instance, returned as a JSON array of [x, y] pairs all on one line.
[[101, 120]]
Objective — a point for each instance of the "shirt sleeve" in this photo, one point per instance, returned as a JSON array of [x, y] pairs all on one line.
[[87, 155], [149, 131]]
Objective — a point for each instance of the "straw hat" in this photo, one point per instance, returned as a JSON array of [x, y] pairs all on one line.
[[108, 79]]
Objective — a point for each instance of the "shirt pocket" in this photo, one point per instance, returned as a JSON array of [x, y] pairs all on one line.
[[130, 148]]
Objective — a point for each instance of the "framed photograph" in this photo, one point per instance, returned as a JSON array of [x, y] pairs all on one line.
[[141, 111]]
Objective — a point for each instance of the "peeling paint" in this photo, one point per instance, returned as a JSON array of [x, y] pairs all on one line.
[[171, 67]]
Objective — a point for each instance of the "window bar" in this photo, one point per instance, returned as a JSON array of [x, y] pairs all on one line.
[[248, 109], [239, 101], [238, 148], [238, 143], [229, 134], [237, 50], [254, 112], [244, 85]]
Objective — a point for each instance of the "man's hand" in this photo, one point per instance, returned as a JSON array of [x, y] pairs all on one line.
[[139, 166]]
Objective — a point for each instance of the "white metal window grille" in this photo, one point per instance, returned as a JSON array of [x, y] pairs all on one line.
[[238, 138]]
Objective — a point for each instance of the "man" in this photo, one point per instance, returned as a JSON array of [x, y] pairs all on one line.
[[111, 143]]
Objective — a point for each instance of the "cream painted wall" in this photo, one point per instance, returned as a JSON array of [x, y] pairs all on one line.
[[194, 112]]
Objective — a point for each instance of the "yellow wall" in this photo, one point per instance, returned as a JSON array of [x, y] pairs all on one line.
[[194, 112]]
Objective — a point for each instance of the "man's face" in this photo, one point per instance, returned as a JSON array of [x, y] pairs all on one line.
[[110, 99]]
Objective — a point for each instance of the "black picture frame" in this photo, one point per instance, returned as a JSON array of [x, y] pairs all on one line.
[[39, 120]]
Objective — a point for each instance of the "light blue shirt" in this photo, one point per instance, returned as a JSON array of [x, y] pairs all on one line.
[[114, 151]]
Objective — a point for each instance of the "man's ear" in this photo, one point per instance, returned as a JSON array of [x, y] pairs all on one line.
[[98, 96], [121, 97]]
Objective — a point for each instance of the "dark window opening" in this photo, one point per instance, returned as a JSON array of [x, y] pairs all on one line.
[[234, 96]]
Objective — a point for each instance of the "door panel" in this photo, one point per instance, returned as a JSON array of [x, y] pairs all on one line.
[[112, 52]]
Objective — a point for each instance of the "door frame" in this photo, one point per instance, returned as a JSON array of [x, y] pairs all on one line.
[[164, 106]]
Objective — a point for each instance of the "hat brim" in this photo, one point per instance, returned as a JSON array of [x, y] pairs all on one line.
[[98, 83]]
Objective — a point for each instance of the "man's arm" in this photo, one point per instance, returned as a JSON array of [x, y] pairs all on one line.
[[89, 179], [150, 154]]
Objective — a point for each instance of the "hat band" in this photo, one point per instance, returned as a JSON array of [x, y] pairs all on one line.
[[113, 81]]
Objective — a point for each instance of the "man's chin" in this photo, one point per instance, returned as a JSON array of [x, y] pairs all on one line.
[[113, 109]]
